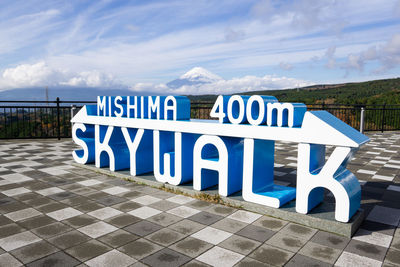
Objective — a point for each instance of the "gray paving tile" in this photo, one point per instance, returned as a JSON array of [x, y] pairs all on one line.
[[240, 244], [366, 250], [88, 207], [384, 215], [255, 232], [36, 222], [57, 259], [52, 206], [80, 221], [50, 230], [298, 230], [195, 263], [10, 229], [165, 236], [126, 206], [140, 248], [205, 218], [299, 260], [4, 220], [164, 219], [122, 220], [110, 200], [166, 257], [221, 210], [88, 250], [117, 238], [142, 228], [287, 242], [393, 257], [186, 227], [200, 205], [270, 223], [68, 239], [229, 225], [271, 255], [191, 247], [320, 252], [330, 240], [164, 205], [8, 260], [34, 251]]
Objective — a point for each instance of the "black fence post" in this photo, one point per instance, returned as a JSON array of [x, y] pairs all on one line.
[[58, 119], [383, 118]]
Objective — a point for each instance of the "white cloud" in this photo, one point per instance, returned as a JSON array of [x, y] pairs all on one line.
[[40, 75], [285, 66], [388, 55], [235, 85]]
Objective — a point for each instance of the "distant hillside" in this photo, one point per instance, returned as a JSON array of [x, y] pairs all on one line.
[[370, 93]]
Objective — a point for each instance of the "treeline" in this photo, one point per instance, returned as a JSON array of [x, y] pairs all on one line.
[[376, 92]]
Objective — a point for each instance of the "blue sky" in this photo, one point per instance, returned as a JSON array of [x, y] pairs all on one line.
[[142, 45]]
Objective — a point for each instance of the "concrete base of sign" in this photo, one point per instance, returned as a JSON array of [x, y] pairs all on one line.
[[321, 217]]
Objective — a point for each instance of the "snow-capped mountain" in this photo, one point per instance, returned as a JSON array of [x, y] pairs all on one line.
[[195, 76]]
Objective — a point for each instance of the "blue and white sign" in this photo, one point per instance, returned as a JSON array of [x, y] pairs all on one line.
[[236, 151]]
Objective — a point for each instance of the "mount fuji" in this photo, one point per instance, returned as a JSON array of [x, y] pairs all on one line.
[[195, 76]]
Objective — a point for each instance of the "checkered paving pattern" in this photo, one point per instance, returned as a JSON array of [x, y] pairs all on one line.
[[55, 214]]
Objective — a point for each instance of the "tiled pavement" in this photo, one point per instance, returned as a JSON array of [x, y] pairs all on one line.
[[55, 214]]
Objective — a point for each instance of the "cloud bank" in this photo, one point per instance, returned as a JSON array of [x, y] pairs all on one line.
[[41, 75]]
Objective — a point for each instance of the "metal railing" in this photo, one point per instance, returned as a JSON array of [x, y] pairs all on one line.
[[51, 119], [37, 119]]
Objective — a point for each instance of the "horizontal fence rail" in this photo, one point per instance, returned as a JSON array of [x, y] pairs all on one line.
[[51, 119]]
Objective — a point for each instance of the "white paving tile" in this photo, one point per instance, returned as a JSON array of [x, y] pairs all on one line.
[[220, 257], [112, 258], [211, 235], [146, 200], [144, 212], [5, 182], [374, 238], [244, 216], [16, 191], [31, 163], [50, 191], [348, 259], [384, 215], [394, 188], [383, 177], [115, 190], [180, 199], [97, 229], [378, 162], [392, 166], [366, 171], [24, 169], [104, 213], [20, 215], [16, 177], [54, 170], [18, 240], [183, 211], [90, 182], [64, 214]]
